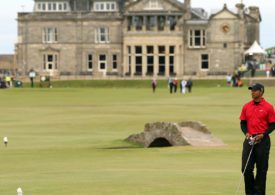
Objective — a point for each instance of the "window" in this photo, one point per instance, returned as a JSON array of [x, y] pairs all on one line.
[[49, 6], [197, 38], [50, 35], [150, 59], [138, 60], [113, 6], [102, 62], [129, 23], [52, 7], [102, 35], [171, 59], [114, 62], [65, 6], [150, 22], [172, 22], [104, 6], [138, 22], [50, 62], [161, 23], [90, 62], [224, 45], [204, 62], [129, 58], [161, 49], [161, 56]]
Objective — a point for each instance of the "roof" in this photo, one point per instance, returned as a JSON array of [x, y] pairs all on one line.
[[255, 48], [200, 12]]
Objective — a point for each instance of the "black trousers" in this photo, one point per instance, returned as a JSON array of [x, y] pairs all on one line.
[[255, 185]]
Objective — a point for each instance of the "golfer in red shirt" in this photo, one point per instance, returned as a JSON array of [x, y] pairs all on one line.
[[257, 122]]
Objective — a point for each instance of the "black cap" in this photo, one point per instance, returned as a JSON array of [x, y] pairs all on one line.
[[256, 86]]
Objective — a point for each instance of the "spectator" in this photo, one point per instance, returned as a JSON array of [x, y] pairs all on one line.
[[154, 85], [8, 81], [175, 83], [189, 85], [253, 68], [32, 75], [183, 85], [170, 84], [239, 82], [228, 79], [273, 70], [268, 69]]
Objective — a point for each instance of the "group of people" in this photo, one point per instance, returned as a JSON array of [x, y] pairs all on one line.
[[173, 84], [6, 81], [234, 80], [252, 66], [270, 69]]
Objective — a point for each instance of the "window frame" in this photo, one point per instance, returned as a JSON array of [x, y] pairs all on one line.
[[203, 61], [193, 38], [114, 62], [49, 35], [107, 6], [102, 61], [54, 62], [49, 6], [90, 61], [99, 35]]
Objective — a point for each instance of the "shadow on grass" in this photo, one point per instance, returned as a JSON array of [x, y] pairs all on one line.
[[121, 147]]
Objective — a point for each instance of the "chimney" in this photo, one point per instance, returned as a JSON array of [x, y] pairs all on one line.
[[187, 9], [255, 13], [240, 9]]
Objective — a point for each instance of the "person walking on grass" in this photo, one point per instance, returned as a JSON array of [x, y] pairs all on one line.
[[154, 84], [32, 75], [257, 122], [189, 85]]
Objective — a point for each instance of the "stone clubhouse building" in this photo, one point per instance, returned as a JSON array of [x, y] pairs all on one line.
[[133, 38]]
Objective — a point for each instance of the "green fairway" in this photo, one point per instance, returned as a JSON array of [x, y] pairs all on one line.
[[70, 141]]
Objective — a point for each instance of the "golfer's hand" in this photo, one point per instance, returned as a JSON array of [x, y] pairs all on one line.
[[247, 136], [259, 137]]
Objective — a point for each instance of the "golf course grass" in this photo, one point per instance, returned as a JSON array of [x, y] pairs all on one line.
[[70, 141]]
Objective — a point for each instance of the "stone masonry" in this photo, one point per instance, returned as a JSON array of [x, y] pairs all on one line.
[[161, 134]]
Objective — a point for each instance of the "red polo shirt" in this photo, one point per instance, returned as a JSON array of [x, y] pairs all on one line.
[[258, 116]]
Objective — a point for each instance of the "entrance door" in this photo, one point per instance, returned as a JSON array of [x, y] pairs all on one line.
[[50, 62], [102, 63]]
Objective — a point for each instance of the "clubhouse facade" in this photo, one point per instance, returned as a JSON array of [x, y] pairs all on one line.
[[133, 38]]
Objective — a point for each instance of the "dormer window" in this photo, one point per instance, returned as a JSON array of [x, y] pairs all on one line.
[[60, 6], [105, 6]]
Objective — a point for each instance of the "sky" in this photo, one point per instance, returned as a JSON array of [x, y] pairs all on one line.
[[10, 8]]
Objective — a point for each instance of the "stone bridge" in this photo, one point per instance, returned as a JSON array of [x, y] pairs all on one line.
[[164, 134]]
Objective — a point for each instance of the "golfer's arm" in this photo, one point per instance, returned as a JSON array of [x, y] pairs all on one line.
[[244, 127], [270, 128]]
